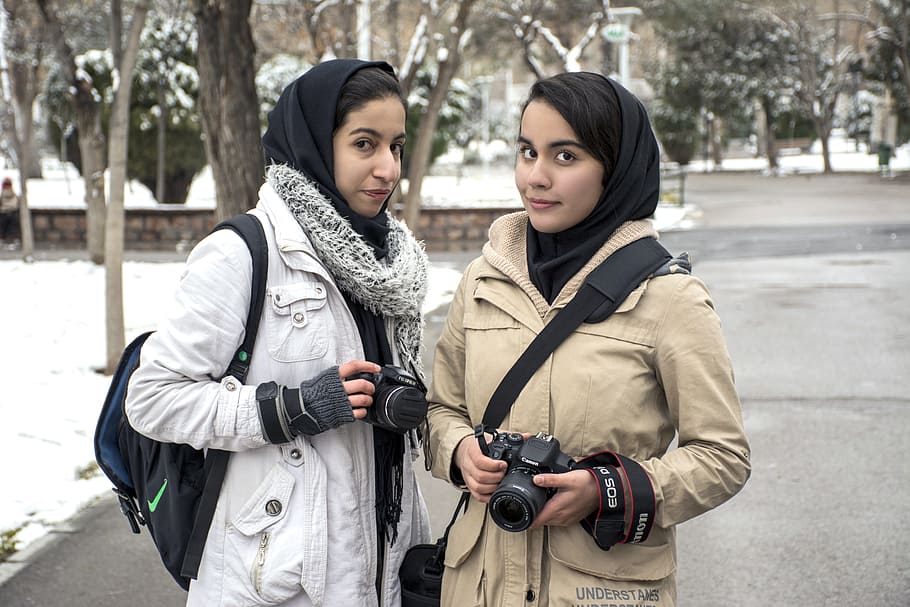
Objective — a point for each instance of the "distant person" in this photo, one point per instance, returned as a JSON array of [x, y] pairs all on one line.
[[9, 212], [318, 507], [653, 373]]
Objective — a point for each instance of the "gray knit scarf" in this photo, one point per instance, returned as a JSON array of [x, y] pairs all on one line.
[[394, 287]]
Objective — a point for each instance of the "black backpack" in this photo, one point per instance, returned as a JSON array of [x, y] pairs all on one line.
[[173, 488]]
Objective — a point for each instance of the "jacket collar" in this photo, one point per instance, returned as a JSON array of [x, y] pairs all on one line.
[[506, 251]]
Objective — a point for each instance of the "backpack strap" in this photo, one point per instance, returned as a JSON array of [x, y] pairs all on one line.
[[602, 292], [249, 228]]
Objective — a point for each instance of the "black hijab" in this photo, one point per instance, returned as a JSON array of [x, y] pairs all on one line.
[[299, 134], [631, 192]]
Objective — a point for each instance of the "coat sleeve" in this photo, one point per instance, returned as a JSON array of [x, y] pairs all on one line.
[[448, 417], [175, 394], [711, 463]]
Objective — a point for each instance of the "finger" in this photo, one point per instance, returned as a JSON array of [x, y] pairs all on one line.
[[553, 481], [357, 366], [359, 386], [359, 401], [488, 464], [487, 478]]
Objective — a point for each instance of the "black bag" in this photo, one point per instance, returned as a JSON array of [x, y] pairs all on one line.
[[172, 488], [421, 570], [602, 292]]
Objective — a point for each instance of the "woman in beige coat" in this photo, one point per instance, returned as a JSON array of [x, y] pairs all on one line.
[[615, 394]]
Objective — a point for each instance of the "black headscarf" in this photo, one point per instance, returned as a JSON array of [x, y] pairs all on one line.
[[631, 192], [299, 134]]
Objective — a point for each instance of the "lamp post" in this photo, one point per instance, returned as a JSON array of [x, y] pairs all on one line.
[[619, 31]]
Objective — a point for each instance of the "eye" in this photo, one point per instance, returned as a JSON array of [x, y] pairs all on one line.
[[398, 148], [363, 144], [526, 152], [565, 156]]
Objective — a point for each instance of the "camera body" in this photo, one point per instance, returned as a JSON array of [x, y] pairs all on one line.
[[517, 500], [399, 401]]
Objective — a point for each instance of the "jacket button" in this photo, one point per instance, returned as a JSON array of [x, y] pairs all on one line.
[[298, 317], [230, 386], [530, 596], [273, 508], [295, 454]]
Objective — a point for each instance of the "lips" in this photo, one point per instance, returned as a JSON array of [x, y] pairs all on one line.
[[377, 194], [540, 203]]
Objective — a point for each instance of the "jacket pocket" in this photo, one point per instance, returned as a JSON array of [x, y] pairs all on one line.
[[297, 318], [465, 533], [262, 555], [653, 560]]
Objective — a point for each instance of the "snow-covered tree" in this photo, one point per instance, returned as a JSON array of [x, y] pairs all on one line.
[[550, 33], [165, 125], [271, 79], [451, 22]]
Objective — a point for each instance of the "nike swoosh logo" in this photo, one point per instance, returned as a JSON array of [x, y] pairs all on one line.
[[154, 503]]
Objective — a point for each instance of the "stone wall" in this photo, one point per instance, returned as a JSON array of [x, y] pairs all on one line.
[[181, 228]]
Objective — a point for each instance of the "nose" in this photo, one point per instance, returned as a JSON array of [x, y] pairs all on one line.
[[538, 177], [387, 166]]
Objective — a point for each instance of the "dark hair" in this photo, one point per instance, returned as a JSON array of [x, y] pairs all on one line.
[[363, 86], [589, 104]]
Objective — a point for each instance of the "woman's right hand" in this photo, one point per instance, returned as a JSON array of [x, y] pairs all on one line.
[[359, 390], [480, 473]]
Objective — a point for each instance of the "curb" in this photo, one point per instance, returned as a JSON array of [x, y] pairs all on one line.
[[21, 559]]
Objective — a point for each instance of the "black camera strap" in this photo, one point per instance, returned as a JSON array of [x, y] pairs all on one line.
[[603, 291]]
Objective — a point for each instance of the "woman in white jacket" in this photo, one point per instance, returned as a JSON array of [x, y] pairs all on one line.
[[318, 507]]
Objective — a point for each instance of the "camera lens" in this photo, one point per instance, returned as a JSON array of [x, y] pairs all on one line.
[[511, 511], [517, 501], [399, 408]]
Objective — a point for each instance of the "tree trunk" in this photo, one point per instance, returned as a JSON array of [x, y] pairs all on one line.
[[162, 144], [228, 102], [91, 138], [24, 55], [23, 146], [420, 160], [118, 147], [91, 148], [770, 137], [717, 143]]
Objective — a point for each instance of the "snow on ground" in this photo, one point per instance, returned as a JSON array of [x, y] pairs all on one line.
[[53, 335]]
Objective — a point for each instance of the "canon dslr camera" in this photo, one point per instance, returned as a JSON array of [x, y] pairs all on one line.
[[517, 501], [399, 402]]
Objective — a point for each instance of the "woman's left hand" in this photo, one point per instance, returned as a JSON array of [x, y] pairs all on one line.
[[575, 499]]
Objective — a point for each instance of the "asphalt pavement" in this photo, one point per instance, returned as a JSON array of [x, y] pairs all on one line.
[[811, 278]]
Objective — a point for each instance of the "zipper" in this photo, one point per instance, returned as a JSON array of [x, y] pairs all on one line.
[[259, 563]]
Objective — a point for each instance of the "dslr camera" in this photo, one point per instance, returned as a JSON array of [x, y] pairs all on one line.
[[399, 401], [517, 500]]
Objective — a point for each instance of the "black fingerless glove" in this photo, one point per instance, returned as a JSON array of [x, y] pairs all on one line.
[[319, 404]]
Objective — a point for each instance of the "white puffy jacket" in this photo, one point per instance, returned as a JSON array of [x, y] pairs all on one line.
[[320, 548]]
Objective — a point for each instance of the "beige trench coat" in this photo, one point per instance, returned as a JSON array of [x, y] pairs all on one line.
[[655, 371]]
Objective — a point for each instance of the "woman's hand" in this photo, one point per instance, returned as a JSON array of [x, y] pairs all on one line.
[[576, 498], [359, 390], [481, 474]]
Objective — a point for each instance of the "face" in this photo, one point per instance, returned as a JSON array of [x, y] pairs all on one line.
[[559, 181], [368, 147]]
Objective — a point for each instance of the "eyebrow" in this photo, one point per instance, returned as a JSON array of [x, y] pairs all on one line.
[[374, 133], [555, 144]]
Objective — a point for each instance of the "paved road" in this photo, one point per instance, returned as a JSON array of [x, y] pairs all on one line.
[[810, 276]]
